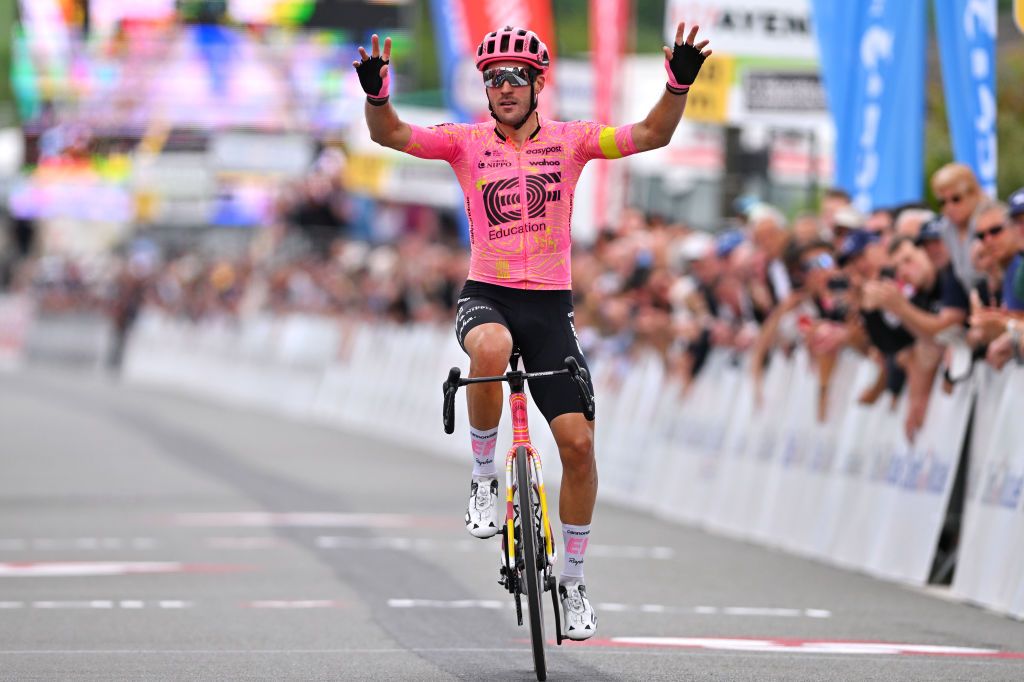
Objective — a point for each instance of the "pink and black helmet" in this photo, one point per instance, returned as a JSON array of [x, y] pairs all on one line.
[[513, 44]]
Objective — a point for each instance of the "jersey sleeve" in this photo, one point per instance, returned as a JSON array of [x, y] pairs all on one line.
[[598, 141], [443, 141]]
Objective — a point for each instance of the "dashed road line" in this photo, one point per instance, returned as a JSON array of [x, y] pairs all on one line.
[[64, 569], [804, 646], [97, 604], [407, 544], [620, 608], [308, 520], [83, 543], [295, 604], [616, 646]]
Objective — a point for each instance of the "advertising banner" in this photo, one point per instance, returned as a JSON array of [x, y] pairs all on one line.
[[990, 565], [609, 21], [967, 36], [873, 64], [765, 62]]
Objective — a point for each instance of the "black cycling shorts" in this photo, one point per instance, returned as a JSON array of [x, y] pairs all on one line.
[[542, 327]]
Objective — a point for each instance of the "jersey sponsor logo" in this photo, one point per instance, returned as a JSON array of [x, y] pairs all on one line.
[[517, 229], [572, 326], [550, 149], [495, 163], [547, 162], [503, 202]]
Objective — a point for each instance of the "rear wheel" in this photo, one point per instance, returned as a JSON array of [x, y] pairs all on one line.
[[531, 570]]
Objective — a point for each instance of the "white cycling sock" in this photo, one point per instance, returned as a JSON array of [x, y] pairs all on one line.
[[484, 443], [575, 539]]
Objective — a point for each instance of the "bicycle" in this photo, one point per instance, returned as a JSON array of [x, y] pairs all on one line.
[[529, 559]]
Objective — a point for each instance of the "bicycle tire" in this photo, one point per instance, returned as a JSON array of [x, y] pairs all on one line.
[[528, 531]]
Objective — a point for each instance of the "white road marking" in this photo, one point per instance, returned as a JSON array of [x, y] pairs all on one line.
[[450, 604], [405, 544], [596, 650], [306, 520], [243, 652], [64, 569], [100, 604], [51, 569], [244, 543], [796, 646], [295, 604], [83, 543], [616, 607]]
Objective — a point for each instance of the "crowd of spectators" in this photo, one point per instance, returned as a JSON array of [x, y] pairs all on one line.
[[920, 294]]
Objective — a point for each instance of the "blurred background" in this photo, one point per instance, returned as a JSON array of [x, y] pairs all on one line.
[[210, 156]]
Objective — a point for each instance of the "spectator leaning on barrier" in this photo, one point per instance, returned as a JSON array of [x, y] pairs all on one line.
[[865, 260], [935, 303], [769, 236], [1008, 345], [1000, 244], [824, 325], [1013, 280], [931, 305], [959, 195]]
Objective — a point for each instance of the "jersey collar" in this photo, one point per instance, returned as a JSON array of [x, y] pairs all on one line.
[[540, 124]]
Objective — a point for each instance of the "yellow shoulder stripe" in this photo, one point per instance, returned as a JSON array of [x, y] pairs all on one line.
[[607, 142]]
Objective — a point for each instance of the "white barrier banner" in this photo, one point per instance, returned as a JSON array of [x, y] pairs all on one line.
[[990, 567], [848, 488]]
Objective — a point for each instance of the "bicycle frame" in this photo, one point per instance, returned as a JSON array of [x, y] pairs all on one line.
[[536, 579], [521, 437]]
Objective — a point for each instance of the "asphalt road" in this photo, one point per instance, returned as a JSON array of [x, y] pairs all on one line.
[[153, 536]]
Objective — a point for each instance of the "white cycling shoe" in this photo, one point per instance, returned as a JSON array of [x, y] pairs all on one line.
[[579, 621], [482, 510]]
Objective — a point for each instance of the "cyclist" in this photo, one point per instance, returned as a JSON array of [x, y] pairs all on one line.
[[519, 175]]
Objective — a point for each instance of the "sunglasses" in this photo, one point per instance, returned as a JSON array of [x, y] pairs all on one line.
[[991, 232], [516, 76], [819, 262]]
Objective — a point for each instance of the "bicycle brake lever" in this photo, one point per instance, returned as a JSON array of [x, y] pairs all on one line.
[[451, 386]]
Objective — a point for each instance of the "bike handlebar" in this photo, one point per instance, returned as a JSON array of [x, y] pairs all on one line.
[[572, 368]]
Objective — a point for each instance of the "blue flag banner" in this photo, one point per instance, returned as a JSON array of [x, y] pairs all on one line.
[[452, 49], [873, 67], [967, 49]]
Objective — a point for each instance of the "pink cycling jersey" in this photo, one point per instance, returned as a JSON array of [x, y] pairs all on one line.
[[519, 200]]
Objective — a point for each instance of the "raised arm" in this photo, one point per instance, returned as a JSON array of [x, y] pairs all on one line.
[[682, 63], [381, 118]]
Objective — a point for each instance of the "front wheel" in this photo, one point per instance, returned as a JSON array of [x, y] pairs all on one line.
[[528, 533]]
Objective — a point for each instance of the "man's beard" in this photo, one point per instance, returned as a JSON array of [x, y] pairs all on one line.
[[509, 118]]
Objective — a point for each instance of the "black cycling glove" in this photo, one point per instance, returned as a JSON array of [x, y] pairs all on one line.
[[683, 68], [376, 88]]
